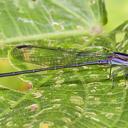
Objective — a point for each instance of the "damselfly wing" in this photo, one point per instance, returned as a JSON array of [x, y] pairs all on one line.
[[48, 56], [56, 58]]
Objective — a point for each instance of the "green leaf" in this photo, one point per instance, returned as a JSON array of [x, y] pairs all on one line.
[[117, 12], [30, 20]]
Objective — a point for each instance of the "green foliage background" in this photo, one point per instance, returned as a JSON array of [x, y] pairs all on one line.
[[69, 98]]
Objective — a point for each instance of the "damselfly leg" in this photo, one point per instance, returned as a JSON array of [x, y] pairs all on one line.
[[110, 71], [115, 74], [126, 76]]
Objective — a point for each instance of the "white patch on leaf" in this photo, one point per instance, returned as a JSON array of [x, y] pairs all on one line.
[[76, 100]]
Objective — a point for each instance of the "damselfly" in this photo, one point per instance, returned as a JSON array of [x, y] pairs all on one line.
[[57, 58]]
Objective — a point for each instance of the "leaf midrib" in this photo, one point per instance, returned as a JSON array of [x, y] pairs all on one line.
[[55, 35]]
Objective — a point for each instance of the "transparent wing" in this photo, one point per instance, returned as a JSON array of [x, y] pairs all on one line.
[[48, 56]]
